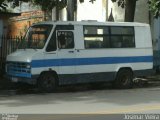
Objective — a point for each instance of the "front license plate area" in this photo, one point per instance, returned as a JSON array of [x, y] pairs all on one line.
[[14, 79]]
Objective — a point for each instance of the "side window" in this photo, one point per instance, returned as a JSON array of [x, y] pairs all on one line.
[[65, 39], [109, 37], [122, 37], [52, 43], [96, 37]]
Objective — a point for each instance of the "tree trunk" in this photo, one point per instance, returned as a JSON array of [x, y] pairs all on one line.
[[57, 13], [130, 10], [45, 14], [70, 10]]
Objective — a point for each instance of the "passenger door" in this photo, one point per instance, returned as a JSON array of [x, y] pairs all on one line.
[[51, 54], [66, 55]]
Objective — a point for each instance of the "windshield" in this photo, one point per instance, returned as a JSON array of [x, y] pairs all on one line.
[[36, 37]]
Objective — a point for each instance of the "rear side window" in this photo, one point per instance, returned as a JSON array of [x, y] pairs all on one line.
[[122, 37], [109, 37], [96, 37]]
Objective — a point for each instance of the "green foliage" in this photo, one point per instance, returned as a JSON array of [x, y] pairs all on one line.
[[154, 6], [16, 3], [3, 5], [48, 5], [129, 6], [121, 3]]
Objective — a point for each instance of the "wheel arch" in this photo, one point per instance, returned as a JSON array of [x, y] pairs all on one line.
[[124, 78], [122, 68], [51, 72]]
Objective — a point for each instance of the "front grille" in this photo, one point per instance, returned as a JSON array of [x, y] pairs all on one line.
[[18, 69]]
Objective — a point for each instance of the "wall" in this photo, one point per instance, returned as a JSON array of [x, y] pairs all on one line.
[[19, 25], [155, 27], [62, 14], [118, 12], [89, 11], [101, 10], [4, 25], [141, 12], [4, 20]]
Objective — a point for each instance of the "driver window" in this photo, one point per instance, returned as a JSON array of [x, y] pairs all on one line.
[[52, 43], [65, 39]]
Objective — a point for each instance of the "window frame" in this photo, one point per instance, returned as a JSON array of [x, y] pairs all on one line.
[[123, 35], [56, 28], [109, 35], [72, 38], [52, 39]]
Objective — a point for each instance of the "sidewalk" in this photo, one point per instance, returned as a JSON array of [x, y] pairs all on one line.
[[154, 78]]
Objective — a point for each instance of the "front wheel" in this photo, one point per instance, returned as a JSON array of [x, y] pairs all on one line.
[[47, 82], [124, 79]]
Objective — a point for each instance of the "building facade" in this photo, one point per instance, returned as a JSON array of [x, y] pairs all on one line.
[[100, 10], [19, 25], [4, 21]]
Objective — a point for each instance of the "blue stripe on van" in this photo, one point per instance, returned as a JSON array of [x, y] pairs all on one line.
[[90, 61], [14, 74]]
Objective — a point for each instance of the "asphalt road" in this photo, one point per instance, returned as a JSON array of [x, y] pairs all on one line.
[[82, 101]]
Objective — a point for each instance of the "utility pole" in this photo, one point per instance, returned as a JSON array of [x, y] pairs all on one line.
[[70, 10]]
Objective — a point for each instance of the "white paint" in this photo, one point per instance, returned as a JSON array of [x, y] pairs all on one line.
[[118, 12], [63, 14], [89, 11], [142, 11], [67, 54], [53, 14], [143, 37]]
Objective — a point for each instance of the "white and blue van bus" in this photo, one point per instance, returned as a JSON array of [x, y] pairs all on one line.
[[62, 53]]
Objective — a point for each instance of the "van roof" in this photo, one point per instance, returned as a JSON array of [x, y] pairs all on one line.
[[90, 22]]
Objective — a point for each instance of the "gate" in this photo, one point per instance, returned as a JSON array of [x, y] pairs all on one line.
[[9, 44]]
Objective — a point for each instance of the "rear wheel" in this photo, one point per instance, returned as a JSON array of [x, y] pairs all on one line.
[[124, 79], [47, 82]]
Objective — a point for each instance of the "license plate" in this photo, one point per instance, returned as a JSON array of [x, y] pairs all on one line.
[[14, 79]]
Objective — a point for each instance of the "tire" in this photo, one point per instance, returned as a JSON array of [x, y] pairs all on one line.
[[47, 82], [124, 79]]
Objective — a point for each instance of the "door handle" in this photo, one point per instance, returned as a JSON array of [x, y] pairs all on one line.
[[71, 51]]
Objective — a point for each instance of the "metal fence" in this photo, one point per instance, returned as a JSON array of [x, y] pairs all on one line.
[[8, 45]]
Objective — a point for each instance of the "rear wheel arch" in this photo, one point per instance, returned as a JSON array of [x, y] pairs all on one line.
[[50, 72], [125, 68], [124, 78]]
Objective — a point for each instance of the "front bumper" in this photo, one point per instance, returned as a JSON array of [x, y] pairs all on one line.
[[15, 79], [20, 72]]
